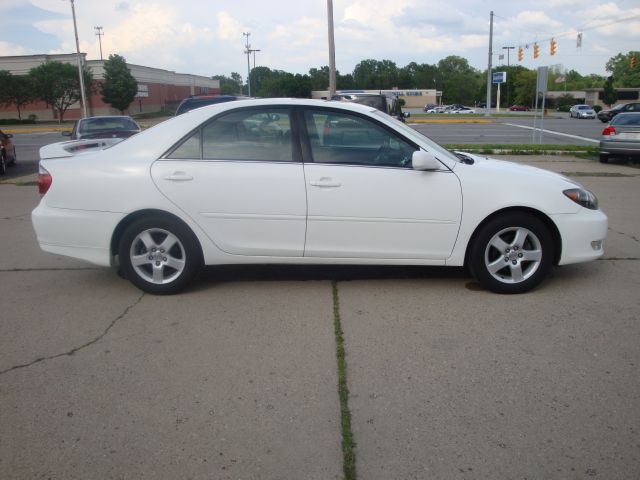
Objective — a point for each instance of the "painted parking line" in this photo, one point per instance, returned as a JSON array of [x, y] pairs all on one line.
[[576, 137]]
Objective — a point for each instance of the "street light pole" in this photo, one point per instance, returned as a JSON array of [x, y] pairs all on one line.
[[488, 112], [248, 52], [99, 34], [508, 65], [82, 92], [332, 51]]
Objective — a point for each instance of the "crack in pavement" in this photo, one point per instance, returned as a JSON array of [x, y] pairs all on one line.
[[81, 347], [632, 237], [49, 269], [22, 216]]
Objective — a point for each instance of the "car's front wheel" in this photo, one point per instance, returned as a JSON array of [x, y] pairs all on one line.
[[159, 255], [512, 253]]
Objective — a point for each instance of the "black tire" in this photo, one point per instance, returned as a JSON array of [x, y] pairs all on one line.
[[13, 160], [604, 158], [526, 246], [3, 163], [161, 271]]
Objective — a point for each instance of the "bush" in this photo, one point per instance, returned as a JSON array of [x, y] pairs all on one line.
[[597, 108], [15, 121], [564, 108]]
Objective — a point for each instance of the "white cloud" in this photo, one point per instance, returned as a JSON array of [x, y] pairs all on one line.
[[7, 49]]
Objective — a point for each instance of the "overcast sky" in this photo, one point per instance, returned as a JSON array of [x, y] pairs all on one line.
[[205, 36]]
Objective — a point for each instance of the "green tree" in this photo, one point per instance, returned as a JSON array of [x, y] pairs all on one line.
[[58, 85], [458, 80], [609, 96], [229, 85], [620, 68], [16, 91], [525, 87], [119, 87], [375, 74]]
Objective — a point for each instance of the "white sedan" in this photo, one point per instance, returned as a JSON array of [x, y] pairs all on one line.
[[276, 181]]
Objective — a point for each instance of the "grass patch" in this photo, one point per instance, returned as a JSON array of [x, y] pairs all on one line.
[[525, 149], [148, 115], [348, 445]]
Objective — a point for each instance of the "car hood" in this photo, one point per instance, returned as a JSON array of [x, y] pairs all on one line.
[[517, 170]]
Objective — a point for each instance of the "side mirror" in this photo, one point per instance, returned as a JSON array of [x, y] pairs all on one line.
[[421, 160], [66, 134], [406, 114]]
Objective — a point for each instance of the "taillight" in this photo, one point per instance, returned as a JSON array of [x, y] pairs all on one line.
[[44, 180], [609, 131]]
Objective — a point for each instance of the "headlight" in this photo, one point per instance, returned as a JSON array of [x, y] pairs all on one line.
[[582, 197]]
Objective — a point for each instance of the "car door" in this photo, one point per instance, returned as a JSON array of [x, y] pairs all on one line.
[[240, 179], [365, 200]]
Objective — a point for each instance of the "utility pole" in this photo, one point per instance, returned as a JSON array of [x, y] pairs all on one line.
[[254, 56], [508, 74], [99, 34], [332, 51], [248, 52], [80, 72], [488, 112]]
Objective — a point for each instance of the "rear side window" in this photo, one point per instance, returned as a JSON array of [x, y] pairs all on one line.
[[257, 135]]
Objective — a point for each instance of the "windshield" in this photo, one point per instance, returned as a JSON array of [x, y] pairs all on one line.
[[107, 123], [420, 138]]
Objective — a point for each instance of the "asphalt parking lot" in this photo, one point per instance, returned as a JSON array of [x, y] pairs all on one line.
[[237, 378]]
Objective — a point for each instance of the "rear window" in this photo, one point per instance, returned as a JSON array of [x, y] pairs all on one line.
[[584, 107], [107, 123], [626, 119]]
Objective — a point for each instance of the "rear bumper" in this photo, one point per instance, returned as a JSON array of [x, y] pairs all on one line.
[[81, 234], [620, 147], [583, 235]]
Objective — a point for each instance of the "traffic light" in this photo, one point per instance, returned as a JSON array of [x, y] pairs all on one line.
[[633, 61], [536, 50], [553, 46], [520, 54]]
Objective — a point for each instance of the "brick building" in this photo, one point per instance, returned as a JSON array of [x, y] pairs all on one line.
[[157, 89]]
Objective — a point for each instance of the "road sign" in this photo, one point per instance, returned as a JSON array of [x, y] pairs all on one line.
[[499, 77]]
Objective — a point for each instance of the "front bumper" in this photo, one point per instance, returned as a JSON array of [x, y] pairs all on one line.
[[583, 235]]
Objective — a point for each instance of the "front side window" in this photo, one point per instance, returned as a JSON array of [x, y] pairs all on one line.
[[259, 135], [337, 137]]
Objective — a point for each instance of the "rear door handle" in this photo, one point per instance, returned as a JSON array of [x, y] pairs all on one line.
[[324, 182], [179, 177]]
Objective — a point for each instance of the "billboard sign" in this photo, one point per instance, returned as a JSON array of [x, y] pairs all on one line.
[[499, 77]]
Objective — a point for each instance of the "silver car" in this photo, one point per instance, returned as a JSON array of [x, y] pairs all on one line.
[[582, 111], [621, 137]]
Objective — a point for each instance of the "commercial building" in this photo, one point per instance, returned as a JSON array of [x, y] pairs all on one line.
[[413, 98], [157, 89]]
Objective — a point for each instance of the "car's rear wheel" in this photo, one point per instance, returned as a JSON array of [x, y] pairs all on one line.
[[3, 163], [604, 158], [159, 255], [512, 253]]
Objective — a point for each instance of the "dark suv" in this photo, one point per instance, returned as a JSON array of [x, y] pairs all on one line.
[[197, 101], [606, 115]]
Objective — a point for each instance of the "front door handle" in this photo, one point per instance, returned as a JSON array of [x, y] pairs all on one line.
[[179, 177], [324, 182]]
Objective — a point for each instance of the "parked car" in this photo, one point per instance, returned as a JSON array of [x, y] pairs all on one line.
[[440, 109], [606, 115], [197, 101], [429, 106], [383, 102], [462, 110], [7, 152], [519, 108], [113, 126], [621, 137], [298, 181], [582, 111]]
